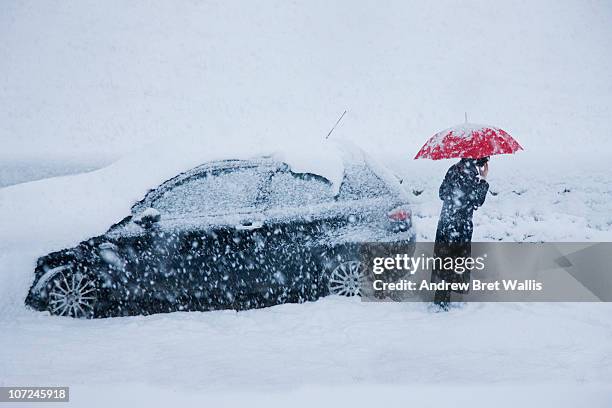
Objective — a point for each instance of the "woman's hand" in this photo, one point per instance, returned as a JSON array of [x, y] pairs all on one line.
[[484, 171]]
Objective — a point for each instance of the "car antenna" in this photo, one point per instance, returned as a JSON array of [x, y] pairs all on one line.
[[336, 124]]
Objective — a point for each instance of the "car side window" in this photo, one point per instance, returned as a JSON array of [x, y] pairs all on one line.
[[288, 189], [361, 182], [214, 192]]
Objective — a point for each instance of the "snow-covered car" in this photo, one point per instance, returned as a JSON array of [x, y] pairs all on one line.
[[229, 234]]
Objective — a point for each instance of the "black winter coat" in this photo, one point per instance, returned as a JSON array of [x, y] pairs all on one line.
[[462, 191]]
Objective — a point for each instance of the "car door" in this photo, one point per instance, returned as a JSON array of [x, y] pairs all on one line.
[[141, 268], [297, 216], [218, 215]]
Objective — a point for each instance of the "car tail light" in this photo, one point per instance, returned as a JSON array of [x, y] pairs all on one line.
[[400, 219]]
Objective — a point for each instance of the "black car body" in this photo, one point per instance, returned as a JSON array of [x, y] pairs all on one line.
[[232, 234]]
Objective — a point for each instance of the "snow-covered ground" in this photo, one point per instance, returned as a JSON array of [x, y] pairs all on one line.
[[340, 350]]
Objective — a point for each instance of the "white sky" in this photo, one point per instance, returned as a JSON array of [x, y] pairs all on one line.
[[83, 77]]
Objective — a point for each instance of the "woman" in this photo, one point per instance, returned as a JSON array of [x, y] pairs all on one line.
[[463, 190]]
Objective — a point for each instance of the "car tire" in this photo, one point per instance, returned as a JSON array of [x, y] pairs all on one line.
[[73, 294], [346, 278]]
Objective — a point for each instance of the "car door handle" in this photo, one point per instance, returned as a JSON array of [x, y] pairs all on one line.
[[248, 225]]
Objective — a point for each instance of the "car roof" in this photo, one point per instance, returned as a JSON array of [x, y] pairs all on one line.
[[352, 156]]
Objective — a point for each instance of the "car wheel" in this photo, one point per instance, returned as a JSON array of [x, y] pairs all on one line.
[[346, 279], [72, 294]]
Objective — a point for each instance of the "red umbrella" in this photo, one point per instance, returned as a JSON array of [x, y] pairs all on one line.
[[468, 141]]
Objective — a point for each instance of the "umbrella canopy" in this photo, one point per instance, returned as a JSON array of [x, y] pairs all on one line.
[[468, 141]]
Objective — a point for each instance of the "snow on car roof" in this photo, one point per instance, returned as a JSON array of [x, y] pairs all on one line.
[[59, 212]]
